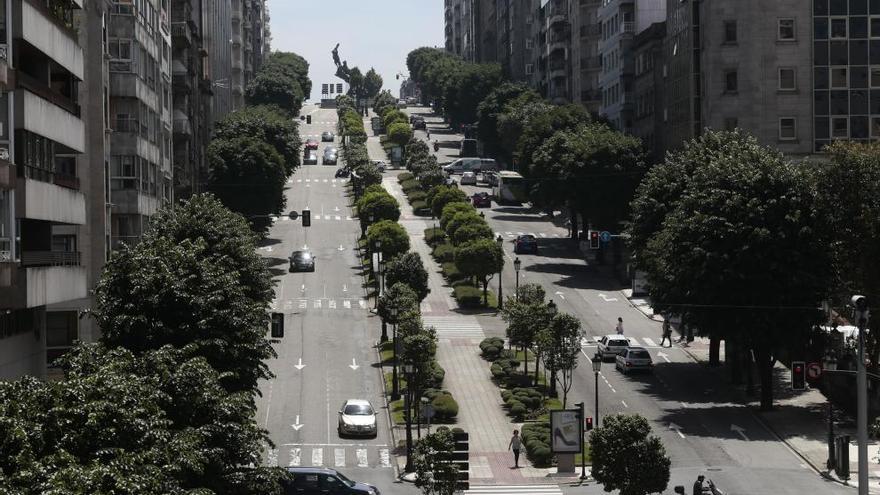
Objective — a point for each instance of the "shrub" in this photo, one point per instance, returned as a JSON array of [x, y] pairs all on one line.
[[420, 208], [468, 296], [433, 235], [416, 195], [405, 176], [461, 219], [530, 397], [471, 232], [454, 208], [451, 272], [375, 188], [393, 236], [444, 252], [400, 133], [491, 347], [536, 438], [410, 185], [445, 195], [445, 408], [503, 369], [435, 376]]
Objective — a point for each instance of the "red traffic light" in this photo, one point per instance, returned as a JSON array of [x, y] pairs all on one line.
[[588, 423]]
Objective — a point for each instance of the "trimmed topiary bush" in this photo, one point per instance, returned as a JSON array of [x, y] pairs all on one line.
[[536, 439], [451, 272], [410, 185], [416, 195], [445, 407], [468, 296], [491, 348], [434, 235], [444, 252], [405, 176], [420, 208]]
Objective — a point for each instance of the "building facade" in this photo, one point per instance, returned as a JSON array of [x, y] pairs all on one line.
[[555, 55], [585, 59], [648, 89], [249, 44]]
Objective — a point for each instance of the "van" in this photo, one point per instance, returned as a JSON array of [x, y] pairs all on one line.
[[475, 165]]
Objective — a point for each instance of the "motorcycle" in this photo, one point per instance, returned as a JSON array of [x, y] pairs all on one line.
[[436, 146]]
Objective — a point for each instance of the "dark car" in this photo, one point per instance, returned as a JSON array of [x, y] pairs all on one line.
[[310, 158], [327, 136], [418, 123], [311, 144], [341, 173], [330, 156], [525, 244], [320, 481], [482, 200], [302, 261]]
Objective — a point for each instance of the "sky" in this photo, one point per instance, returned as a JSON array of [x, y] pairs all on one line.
[[371, 33]]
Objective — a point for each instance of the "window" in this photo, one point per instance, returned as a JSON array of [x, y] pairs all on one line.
[[731, 123], [731, 81], [529, 44], [839, 77], [787, 129], [730, 32], [875, 127], [786, 30], [875, 27], [838, 28], [875, 77], [840, 127], [787, 79], [530, 69]]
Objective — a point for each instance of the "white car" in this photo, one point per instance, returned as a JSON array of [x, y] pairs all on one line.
[[468, 178], [633, 359], [612, 345], [357, 417]]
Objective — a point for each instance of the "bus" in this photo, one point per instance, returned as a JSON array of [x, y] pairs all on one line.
[[510, 189]]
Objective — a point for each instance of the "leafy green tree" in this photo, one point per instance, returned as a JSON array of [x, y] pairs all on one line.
[[560, 345], [248, 176], [461, 219], [531, 293], [470, 85], [626, 458], [524, 321], [372, 83], [454, 208], [471, 232], [400, 296], [394, 116], [393, 237], [356, 82], [742, 253], [436, 473], [400, 133], [383, 101], [445, 195], [366, 175], [265, 123], [432, 176], [417, 150], [480, 259], [195, 281], [494, 105], [408, 269], [419, 350], [283, 80], [378, 206], [512, 123]]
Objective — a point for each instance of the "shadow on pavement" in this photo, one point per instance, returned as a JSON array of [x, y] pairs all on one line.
[[519, 218], [273, 261], [268, 242]]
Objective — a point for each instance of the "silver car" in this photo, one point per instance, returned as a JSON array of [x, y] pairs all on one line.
[[612, 345], [357, 417], [634, 359]]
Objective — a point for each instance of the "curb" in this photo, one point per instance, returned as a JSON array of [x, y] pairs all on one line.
[[391, 427]]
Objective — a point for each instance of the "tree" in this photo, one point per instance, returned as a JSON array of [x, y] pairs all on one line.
[[400, 133], [393, 237], [560, 344], [481, 259], [626, 458], [372, 83], [384, 100], [366, 175], [378, 206], [265, 123], [524, 320], [247, 176], [356, 82], [283, 80], [470, 85], [436, 473], [461, 219], [399, 296], [445, 195], [454, 208], [494, 105], [742, 253], [195, 282], [471, 232], [516, 118], [419, 350], [432, 176], [408, 269]]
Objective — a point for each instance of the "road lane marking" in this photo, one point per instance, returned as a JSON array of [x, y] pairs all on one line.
[[331, 304], [295, 457], [272, 457], [649, 341], [339, 457], [318, 457], [624, 403], [607, 299], [542, 234], [384, 458], [347, 304], [677, 429], [317, 304], [363, 304], [361, 457], [303, 303]]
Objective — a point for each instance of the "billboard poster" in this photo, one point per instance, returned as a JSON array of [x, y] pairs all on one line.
[[565, 432]]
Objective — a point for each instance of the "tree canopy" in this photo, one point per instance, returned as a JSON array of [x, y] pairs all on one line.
[[626, 458], [265, 123], [372, 83], [408, 269], [481, 259], [283, 80], [394, 239]]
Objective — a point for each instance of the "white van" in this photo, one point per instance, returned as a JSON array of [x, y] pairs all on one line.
[[475, 165]]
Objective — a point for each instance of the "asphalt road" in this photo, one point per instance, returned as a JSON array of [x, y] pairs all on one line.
[[327, 353], [689, 405]]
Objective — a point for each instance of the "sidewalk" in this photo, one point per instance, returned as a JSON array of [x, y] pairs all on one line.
[[800, 419]]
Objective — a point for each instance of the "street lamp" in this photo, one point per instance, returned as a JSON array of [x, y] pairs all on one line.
[[517, 264], [597, 367], [407, 406], [500, 241], [378, 267], [552, 309], [395, 390], [830, 365]]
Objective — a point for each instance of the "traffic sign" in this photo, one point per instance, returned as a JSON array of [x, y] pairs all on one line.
[[814, 371], [605, 236], [428, 411]]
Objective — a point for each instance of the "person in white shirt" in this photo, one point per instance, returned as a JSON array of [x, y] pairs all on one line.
[[619, 327]]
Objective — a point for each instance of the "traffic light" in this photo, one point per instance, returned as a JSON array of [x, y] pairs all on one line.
[[594, 239], [861, 313], [308, 119], [293, 215], [588, 423], [277, 325], [307, 217], [798, 375]]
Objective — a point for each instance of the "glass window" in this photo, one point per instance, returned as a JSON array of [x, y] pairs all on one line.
[[858, 7], [875, 126], [858, 77], [875, 26], [838, 28], [839, 78], [730, 31], [820, 7], [839, 53], [858, 127], [838, 7], [875, 77], [820, 28], [858, 27], [858, 102], [822, 130], [786, 30], [731, 81], [787, 79], [820, 53], [820, 78], [875, 102], [820, 102], [858, 52], [61, 328], [787, 128], [875, 7], [839, 103], [840, 127]]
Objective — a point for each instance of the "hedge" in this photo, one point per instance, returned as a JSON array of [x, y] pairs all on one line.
[[405, 176], [444, 252], [491, 348], [416, 195], [420, 208], [445, 408], [522, 402], [536, 439], [410, 185], [434, 234], [504, 368], [468, 296]]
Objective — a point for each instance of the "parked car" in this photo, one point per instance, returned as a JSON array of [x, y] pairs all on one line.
[[475, 165], [401, 103], [612, 345], [468, 178], [323, 481], [302, 261], [482, 200], [468, 148], [327, 136], [525, 243], [311, 144], [329, 159], [418, 122], [634, 359], [310, 158], [342, 173], [357, 417], [490, 177]]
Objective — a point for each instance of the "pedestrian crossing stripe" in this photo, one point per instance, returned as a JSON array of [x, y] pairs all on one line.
[[633, 342], [295, 456], [455, 327], [317, 457], [339, 457], [346, 304], [302, 303], [342, 457], [515, 490]]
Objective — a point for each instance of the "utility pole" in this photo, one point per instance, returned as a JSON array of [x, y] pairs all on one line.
[[861, 315]]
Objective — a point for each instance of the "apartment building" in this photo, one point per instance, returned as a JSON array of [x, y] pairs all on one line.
[[459, 28], [647, 90], [555, 54], [217, 40], [249, 42], [585, 57]]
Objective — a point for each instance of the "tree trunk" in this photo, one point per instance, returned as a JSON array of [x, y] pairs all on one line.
[[714, 351], [537, 367], [765, 372], [525, 361], [553, 392], [572, 215], [485, 293], [750, 375], [732, 351]]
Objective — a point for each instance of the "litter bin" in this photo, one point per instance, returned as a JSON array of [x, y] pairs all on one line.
[[841, 456]]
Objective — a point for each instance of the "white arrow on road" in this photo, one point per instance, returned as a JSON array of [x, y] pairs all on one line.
[[344, 288], [299, 364], [297, 424], [560, 294], [673, 426], [302, 288], [305, 247], [664, 356], [353, 364], [336, 209], [608, 299], [739, 431], [340, 248]]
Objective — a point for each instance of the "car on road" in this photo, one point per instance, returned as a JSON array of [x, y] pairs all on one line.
[[401, 103], [468, 148], [475, 165], [311, 144], [468, 178], [610, 346], [357, 417], [634, 359], [418, 122], [310, 158], [341, 173], [482, 200], [327, 136], [490, 177], [450, 182], [330, 155], [323, 481], [302, 261], [525, 243], [381, 165]]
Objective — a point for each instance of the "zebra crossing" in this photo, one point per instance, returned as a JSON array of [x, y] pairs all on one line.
[[330, 456], [539, 235], [515, 490], [316, 217], [319, 303], [455, 327], [646, 342]]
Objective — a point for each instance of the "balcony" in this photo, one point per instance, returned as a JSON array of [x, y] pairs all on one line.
[[51, 200], [181, 124], [42, 90], [181, 31], [627, 28], [30, 259], [40, 115], [236, 63], [33, 286], [51, 35], [7, 173]]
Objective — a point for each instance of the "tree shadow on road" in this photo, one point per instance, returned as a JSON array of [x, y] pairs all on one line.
[[268, 242]]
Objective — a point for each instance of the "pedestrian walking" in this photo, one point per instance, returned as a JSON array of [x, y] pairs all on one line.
[[515, 445], [428, 132], [698, 485], [619, 327], [667, 333]]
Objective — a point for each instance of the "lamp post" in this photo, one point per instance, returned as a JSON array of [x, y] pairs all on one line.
[[597, 367], [378, 252], [500, 241], [407, 407], [861, 314], [517, 264], [395, 390], [830, 365], [551, 311]]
